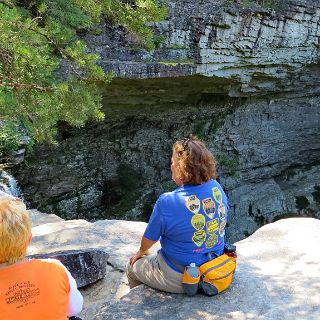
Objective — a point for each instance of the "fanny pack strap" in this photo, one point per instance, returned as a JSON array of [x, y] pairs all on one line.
[[212, 255], [179, 266]]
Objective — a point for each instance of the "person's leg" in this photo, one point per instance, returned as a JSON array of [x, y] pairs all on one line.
[[132, 279], [153, 271]]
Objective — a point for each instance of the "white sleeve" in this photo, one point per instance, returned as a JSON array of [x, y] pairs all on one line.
[[75, 298]]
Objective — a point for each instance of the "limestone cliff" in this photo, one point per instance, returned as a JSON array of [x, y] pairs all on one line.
[[258, 50], [246, 80]]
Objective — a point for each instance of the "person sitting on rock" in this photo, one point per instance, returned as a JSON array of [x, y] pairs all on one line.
[[189, 221], [31, 289]]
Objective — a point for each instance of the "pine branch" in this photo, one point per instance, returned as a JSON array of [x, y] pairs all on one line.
[[7, 3], [10, 82]]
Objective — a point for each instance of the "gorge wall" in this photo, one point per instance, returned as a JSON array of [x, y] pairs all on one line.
[[245, 80]]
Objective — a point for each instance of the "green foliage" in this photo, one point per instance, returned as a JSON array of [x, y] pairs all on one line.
[[72, 14], [136, 17], [221, 25], [201, 129], [230, 163], [158, 40], [9, 137], [36, 37]]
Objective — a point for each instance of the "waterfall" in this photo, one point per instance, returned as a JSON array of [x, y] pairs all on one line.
[[9, 185]]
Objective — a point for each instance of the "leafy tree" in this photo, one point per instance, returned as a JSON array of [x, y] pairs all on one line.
[[10, 137], [36, 37]]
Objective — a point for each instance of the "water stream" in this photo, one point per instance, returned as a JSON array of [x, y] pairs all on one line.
[[8, 185]]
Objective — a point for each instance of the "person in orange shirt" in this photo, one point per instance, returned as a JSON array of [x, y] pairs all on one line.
[[31, 289]]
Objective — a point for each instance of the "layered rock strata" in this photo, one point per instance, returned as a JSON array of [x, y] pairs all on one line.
[[258, 49]]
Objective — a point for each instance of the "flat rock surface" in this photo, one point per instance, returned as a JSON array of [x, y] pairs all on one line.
[[119, 238], [278, 277]]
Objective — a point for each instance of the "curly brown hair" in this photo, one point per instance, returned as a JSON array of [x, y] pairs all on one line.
[[195, 163]]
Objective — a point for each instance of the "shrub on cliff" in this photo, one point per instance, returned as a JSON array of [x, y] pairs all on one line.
[[35, 37]]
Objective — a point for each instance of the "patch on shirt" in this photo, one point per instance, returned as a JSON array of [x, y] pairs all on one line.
[[21, 294], [222, 211], [198, 221], [217, 194], [209, 207], [199, 237], [222, 227], [212, 226], [193, 204], [212, 241]]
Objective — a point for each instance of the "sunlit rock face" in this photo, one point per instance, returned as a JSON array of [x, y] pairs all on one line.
[[246, 81], [261, 50], [277, 276]]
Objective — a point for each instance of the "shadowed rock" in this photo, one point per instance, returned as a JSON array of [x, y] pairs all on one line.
[[86, 266]]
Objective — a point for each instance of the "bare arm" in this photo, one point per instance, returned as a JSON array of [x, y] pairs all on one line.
[[146, 244]]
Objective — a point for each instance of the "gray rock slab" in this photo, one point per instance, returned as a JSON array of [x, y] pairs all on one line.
[[86, 266], [278, 277]]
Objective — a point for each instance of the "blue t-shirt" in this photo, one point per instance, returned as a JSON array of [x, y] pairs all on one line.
[[190, 223]]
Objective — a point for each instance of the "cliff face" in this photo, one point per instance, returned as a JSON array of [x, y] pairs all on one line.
[[257, 50], [245, 81]]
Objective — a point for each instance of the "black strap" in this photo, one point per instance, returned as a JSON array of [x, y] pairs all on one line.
[[179, 266]]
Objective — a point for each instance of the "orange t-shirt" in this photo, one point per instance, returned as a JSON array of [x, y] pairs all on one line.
[[37, 289]]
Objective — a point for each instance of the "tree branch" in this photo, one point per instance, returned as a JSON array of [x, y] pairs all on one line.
[[10, 82], [6, 3], [62, 52]]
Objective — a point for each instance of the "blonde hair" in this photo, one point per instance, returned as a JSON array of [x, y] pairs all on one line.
[[195, 163], [15, 230]]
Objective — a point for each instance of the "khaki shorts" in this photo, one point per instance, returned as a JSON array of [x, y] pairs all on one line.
[[153, 271]]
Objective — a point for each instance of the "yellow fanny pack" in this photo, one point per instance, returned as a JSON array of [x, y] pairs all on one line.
[[213, 277], [217, 274]]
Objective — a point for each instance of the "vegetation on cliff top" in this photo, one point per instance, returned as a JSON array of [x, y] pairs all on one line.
[[35, 38], [277, 5]]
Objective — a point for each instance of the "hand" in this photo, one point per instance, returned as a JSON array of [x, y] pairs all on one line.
[[138, 256]]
